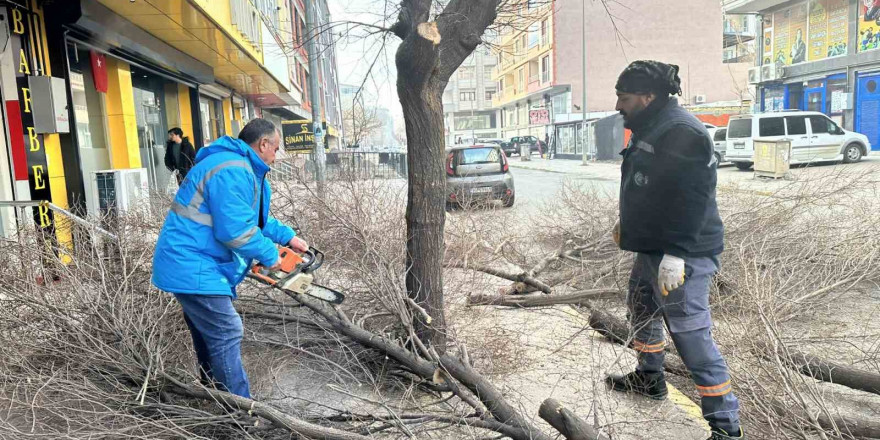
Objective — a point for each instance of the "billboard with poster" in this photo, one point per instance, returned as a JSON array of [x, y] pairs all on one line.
[[869, 25], [809, 31]]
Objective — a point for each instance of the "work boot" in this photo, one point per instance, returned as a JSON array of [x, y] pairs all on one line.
[[652, 385], [720, 434]]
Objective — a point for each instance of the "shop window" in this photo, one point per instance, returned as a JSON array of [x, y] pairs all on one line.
[[211, 112], [835, 96], [88, 111]]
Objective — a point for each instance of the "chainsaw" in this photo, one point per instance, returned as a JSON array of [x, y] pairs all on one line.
[[296, 275]]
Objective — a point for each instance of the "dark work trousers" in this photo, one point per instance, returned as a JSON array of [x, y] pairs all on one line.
[[686, 312]]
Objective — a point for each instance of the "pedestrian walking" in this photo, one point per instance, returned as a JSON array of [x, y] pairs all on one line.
[[218, 225], [180, 154], [669, 218]]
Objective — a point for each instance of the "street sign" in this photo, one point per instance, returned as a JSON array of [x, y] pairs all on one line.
[[298, 137]]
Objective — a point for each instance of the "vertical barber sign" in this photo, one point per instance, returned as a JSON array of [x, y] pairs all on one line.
[[23, 57]]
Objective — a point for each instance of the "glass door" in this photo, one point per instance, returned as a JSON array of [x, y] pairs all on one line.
[[814, 100], [152, 135]]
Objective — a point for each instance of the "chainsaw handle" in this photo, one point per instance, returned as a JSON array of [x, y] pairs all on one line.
[[317, 259]]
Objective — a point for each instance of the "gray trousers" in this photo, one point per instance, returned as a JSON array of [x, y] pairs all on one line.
[[686, 312]]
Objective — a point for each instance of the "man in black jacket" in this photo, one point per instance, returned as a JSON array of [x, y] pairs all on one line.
[[669, 217], [180, 155]]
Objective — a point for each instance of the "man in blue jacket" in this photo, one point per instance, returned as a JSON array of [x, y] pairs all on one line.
[[218, 225], [669, 218]]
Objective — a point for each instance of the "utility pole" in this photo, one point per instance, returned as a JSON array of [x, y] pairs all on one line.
[[584, 82], [312, 35]]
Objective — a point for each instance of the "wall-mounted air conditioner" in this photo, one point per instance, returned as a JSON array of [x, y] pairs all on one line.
[[118, 191], [755, 75], [699, 99]]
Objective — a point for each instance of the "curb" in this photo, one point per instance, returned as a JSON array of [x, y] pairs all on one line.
[[547, 170]]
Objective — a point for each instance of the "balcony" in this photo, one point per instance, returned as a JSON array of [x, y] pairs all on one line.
[[534, 83], [748, 6], [737, 34]]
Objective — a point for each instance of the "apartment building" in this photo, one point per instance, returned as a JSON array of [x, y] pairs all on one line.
[[818, 55]]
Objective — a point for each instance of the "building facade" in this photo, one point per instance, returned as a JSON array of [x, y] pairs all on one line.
[[528, 93], [468, 100], [688, 33], [92, 85], [819, 55], [293, 34]]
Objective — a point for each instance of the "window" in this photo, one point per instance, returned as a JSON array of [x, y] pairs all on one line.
[[740, 128], [472, 156], [306, 88], [476, 122], [796, 125], [523, 42], [545, 69], [490, 94], [521, 79], [720, 135], [467, 96], [821, 124], [534, 35], [771, 127], [562, 103], [487, 73], [466, 73], [544, 29]]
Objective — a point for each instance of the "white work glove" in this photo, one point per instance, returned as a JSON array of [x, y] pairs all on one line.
[[671, 274], [615, 233]]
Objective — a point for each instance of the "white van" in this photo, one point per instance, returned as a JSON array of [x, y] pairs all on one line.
[[814, 137]]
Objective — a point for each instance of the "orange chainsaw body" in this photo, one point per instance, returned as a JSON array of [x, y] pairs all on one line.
[[289, 262]]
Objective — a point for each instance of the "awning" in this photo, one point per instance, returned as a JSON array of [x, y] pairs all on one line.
[[184, 25]]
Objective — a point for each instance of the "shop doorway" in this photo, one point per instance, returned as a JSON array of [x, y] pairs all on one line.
[[149, 106], [868, 109], [814, 97]]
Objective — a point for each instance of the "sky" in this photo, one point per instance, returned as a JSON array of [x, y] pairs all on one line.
[[365, 58]]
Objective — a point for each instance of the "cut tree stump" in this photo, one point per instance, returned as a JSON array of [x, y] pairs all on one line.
[[567, 423]]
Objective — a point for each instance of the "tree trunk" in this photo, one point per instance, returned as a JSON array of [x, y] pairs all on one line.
[[429, 53], [425, 213]]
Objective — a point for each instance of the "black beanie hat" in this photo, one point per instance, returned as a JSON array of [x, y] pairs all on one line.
[[648, 76]]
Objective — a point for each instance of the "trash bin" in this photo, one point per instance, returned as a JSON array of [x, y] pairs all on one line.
[[772, 158]]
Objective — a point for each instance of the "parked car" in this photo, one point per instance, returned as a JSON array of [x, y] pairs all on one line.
[[478, 172], [814, 137], [509, 148], [531, 141], [719, 138], [506, 146]]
